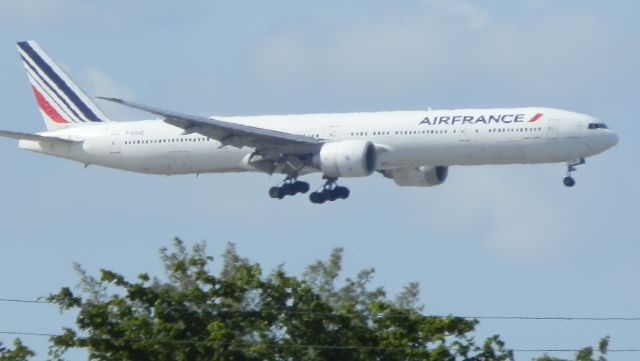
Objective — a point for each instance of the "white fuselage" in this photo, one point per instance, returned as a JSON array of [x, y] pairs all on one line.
[[402, 138]]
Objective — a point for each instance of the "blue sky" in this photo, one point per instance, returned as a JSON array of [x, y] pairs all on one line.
[[490, 241]]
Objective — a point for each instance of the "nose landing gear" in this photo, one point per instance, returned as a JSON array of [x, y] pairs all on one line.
[[330, 192], [568, 181]]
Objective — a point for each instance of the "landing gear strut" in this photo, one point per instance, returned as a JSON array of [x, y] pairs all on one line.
[[330, 191], [291, 186], [568, 181]]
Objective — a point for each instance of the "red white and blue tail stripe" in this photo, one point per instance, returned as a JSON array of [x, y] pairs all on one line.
[[62, 103]]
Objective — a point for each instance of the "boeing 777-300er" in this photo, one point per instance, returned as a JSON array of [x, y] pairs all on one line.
[[414, 148]]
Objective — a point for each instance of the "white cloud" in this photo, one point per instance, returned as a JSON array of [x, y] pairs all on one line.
[[527, 226], [366, 60], [100, 84], [475, 17], [389, 53], [35, 12], [430, 58], [282, 60], [516, 213]]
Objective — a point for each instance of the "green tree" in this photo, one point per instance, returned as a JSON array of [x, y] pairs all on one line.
[[19, 352], [242, 314], [586, 354]]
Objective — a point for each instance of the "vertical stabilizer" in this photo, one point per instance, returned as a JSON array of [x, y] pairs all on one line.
[[61, 102]]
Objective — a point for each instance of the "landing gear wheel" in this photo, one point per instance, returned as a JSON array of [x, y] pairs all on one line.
[[290, 187], [316, 198], [341, 192], [568, 182], [329, 192], [301, 187], [275, 192]]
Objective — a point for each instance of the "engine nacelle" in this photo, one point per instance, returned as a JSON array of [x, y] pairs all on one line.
[[423, 176], [257, 163], [347, 158]]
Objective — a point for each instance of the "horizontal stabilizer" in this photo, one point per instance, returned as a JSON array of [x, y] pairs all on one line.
[[35, 137]]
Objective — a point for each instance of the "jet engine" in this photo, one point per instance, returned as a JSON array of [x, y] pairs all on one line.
[[347, 158], [424, 176], [257, 163]]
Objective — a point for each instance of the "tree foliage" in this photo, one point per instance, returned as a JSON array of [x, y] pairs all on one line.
[[240, 313], [586, 354], [19, 352]]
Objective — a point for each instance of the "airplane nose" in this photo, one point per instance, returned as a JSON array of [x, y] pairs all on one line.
[[613, 139]]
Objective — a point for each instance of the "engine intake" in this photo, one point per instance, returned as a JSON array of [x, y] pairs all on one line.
[[347, 158]]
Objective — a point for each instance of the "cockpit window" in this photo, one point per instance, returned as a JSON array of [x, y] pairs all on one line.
[[597, 126]]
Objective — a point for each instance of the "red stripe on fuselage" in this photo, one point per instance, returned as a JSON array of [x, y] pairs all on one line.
[[535, 117], [47, 108]]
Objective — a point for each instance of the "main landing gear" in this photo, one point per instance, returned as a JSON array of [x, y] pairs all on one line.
[[330, 191], [290, 187], [568, 181]]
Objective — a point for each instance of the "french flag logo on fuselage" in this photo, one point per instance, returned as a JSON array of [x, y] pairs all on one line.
[[535, 117], [60, 100]]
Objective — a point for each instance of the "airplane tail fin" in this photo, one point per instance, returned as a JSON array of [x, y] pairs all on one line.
[[61, 101]]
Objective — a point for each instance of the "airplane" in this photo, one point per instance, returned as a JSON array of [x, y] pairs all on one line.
[[413, 148]]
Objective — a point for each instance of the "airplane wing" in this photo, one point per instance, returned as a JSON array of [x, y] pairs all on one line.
[[35, 137], [237, 135]]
